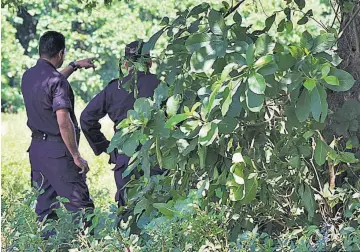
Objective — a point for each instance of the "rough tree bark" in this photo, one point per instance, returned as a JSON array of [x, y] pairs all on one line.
[[349, 51]]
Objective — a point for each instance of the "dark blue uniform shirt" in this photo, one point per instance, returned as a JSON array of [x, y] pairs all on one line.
[[114, 101], [46, 90]]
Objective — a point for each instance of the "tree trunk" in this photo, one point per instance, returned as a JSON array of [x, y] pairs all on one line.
[[349, 51]]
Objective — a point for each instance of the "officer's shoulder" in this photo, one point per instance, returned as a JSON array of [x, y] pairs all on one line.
[[113, 82], [150, 76], [57, 77]]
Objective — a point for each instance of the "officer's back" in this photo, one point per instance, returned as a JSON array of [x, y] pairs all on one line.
[[115, 101], [119, 101]]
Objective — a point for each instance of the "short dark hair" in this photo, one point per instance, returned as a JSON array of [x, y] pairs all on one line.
[[51, 43]]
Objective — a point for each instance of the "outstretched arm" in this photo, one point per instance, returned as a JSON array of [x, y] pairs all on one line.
[[85, 63]]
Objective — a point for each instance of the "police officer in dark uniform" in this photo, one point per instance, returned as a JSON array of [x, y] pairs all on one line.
[[115, 101], [57, 167]]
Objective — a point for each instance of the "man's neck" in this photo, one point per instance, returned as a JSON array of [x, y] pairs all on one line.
[[51, 61]]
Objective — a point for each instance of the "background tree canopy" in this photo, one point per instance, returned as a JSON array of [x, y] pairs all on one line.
[[96, 29], [90, 30], [255, 121]]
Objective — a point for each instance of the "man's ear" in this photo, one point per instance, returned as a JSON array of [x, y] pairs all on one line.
[[61, 54]]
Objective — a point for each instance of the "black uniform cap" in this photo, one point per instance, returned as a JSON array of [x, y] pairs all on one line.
[[133, 50]]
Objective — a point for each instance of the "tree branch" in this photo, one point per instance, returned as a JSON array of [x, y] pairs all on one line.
[[234, 8], [348, 24]]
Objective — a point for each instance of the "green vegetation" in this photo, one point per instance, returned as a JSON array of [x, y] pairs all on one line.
[[255, 159]]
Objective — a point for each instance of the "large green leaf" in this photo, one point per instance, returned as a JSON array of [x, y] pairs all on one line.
[[300, 3], [254, 101], [217, 46], [308, 200], [172, 105], [189, 126], [208, 133], [198, 9], [194, 26], [285, 61], [241, 46], [202, 153], [143, 108], [237, 18], [201, 60], [332, 80], [320, 152], [196, 41], [264, 45], [310, 84], [264, 60], [160, 94], [170, 161], [141, 206], [346, 81], [182, 144], [268, 69], [227, 98], [131, 144], [316, 106], [250, 54], [257, 83], [235, 106], [148, 46], [211, 102], [237, 171], [235, 58], [269, 22], [130, 168], [324, 104], [323, 42], [251, 186], [118, 140], [217, 22], [165, 209], [227, 125], [158, 125], [175, 120], [303, 108], [145, 159], [236, 193], [281, 26], [189, 148], [306, 40]]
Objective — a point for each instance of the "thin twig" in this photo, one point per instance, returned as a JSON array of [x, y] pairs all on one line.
[[319, 23], [316, 173], [262, 7], [336, 13]]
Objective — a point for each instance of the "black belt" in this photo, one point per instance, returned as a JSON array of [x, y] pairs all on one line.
[[46, 137]]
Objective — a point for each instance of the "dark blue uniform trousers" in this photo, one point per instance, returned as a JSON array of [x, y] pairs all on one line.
[[55, 174]]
